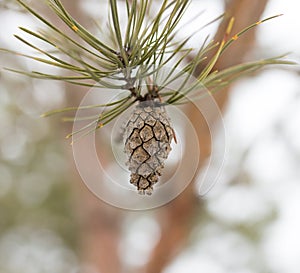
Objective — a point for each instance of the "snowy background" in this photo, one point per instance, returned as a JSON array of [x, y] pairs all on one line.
[[252, 215]]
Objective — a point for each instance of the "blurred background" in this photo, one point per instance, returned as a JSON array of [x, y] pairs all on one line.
[[248, 223]]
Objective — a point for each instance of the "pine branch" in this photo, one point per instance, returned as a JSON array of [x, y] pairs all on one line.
[[140, 57]]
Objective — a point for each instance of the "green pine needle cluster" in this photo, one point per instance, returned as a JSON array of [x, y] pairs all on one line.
[[134, 59]]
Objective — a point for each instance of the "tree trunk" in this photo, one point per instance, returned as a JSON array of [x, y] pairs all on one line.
[[99, 223], [179, 214]]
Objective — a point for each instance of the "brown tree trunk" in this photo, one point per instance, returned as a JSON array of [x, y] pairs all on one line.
[[99, 223], [179, 214]]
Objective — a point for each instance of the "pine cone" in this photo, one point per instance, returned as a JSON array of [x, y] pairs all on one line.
[[148, 135]]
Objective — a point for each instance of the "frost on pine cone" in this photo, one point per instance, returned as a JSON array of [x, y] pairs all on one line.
[[148, 136]]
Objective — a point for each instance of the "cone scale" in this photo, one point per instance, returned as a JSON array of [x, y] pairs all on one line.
[[147, 137]]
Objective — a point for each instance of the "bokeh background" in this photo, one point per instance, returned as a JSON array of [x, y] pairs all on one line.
[[248, 223]]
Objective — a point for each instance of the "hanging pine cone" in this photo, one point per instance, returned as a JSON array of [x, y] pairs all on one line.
[[148, 135]]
